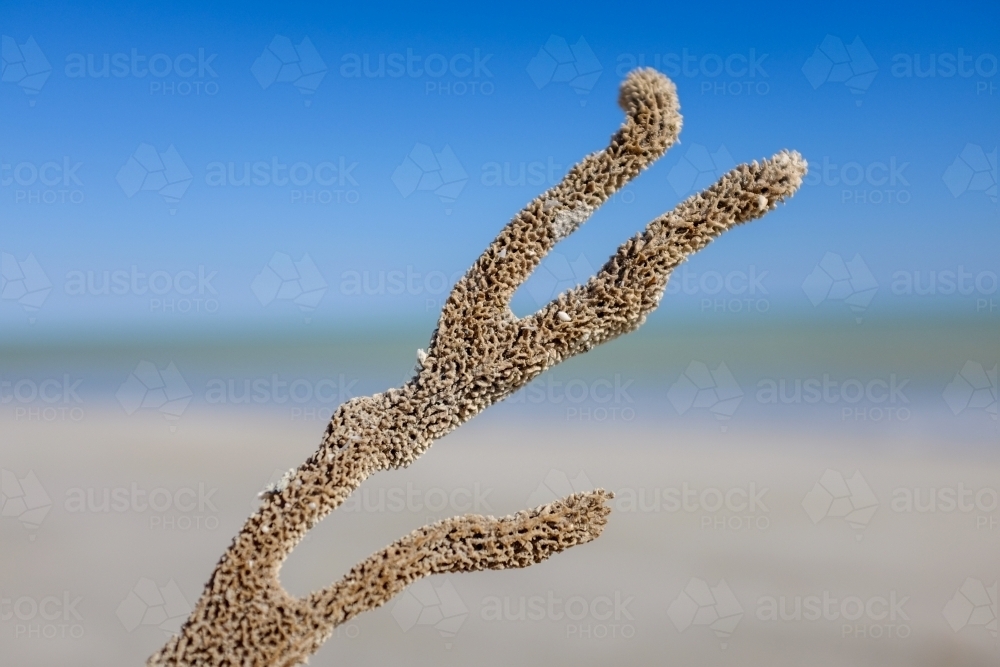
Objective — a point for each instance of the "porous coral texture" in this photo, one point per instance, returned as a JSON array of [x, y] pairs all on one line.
[[479, 354]]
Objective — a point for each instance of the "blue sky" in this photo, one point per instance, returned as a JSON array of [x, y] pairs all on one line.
[[900, 178]]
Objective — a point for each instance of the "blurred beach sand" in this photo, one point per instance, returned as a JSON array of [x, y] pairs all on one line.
[[628, 598]]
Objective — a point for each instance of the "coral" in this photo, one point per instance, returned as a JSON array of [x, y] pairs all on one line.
[[479, 354]]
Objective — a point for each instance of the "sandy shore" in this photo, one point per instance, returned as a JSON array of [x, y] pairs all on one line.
[[762, 545]]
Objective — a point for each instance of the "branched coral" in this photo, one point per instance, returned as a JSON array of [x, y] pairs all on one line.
[[479, 354]]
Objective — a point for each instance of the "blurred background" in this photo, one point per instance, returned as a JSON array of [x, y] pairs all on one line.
[[218, 222]]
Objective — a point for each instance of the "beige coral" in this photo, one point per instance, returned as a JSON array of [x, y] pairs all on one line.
[[479, 354]]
